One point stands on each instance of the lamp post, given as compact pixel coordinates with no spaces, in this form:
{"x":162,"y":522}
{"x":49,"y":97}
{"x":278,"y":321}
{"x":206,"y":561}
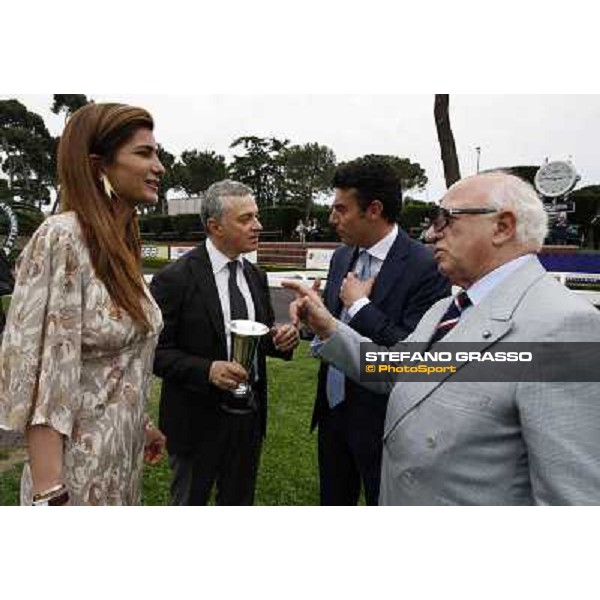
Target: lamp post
{"x":478,"y":150}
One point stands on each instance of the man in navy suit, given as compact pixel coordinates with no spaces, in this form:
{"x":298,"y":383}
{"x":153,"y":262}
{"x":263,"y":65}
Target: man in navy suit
{"x":381,"y":283}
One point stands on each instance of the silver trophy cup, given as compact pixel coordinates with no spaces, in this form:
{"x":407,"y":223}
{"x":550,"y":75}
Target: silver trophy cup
{"x":245,"y":336}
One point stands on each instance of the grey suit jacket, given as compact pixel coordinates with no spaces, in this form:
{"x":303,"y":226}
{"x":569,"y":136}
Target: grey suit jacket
{"x":491,"y":443}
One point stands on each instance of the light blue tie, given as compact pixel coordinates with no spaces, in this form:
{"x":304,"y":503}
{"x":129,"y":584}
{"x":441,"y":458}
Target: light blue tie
{"x":365,"y":267}
{"x":335,"y":378}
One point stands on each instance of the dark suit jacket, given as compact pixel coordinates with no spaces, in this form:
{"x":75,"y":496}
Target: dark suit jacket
{"x":406,"y":287}
{"x":193,"y":337}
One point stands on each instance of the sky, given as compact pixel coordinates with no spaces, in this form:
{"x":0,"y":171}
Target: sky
{"x":514,"y":129}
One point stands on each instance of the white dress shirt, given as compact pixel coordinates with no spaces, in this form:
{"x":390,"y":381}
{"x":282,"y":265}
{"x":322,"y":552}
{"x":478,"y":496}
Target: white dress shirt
{"x":481,"y":288}
{"x":378,"y":253}
{"x":219,"y":263}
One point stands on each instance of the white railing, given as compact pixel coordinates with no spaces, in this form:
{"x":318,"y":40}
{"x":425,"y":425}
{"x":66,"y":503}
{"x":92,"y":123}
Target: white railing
{"x":309,"y":276}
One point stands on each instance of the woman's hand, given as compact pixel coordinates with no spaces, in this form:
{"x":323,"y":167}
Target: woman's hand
{"x":45,"y":450}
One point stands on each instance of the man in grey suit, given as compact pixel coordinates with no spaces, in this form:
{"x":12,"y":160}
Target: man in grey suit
{"x":499,"y":443}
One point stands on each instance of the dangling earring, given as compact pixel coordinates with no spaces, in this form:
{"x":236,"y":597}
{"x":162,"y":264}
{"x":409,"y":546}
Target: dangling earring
{"x":108,"y":188}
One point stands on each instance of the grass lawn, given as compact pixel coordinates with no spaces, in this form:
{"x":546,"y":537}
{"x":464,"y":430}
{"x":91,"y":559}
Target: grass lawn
{"x":288,"y":469}
{"x":9,"y":486}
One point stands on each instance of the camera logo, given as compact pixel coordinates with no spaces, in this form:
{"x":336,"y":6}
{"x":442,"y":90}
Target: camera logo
{"x":370,"y":369}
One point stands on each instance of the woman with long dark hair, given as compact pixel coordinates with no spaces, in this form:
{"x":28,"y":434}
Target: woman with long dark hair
{"x":76,"y":361}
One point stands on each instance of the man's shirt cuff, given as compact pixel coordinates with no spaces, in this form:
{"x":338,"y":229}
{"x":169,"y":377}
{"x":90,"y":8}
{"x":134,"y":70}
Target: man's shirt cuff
{"x":357,"y":305}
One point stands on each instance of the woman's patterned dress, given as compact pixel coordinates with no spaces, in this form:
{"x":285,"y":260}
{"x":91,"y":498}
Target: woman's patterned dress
{"x":75,"y":362}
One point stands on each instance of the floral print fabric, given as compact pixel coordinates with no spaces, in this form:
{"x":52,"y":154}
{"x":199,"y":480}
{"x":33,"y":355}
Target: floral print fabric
{"x":74,"y":361}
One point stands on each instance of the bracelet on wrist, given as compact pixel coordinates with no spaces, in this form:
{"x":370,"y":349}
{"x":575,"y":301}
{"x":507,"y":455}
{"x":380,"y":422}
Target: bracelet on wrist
{"x":55,"y":496}
{"x":60,"y":500}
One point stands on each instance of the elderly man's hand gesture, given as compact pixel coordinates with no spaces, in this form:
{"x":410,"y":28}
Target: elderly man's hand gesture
{"x":309,"y":308}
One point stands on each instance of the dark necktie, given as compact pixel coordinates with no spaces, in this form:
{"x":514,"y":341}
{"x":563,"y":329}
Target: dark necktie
{"x":451,"y":317}
{"x":237,"y":304}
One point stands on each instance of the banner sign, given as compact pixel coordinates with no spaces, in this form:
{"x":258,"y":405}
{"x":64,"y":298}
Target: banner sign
{"x":155,"y":252}
{"x":318,"y":258}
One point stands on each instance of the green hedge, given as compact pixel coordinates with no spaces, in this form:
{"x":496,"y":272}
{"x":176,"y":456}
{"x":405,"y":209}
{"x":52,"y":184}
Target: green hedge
{"x":273,"y":218}
{"x":187,"y":222}
{"x":182,"y":225}
{"x":281,"y":218}
{"x":326,"y":232}
{"x":285,"y":219}
{"x":413,"y":214}
{"x":155,"y":223}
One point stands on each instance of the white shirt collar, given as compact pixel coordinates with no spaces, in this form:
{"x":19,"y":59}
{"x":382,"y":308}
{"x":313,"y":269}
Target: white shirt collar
{"x":382,"y":247}
{"x":481,"y":288}
{"x":218,"y":260}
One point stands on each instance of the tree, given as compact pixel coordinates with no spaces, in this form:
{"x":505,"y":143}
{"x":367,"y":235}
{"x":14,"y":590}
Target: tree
{"x":196,"y":171}
{"x":261,"y":168}
{"x":167,"y":181}
{"x":412,"y":175}
{"x":526,"y":172}
{"x":68,"y":103}
{"x":587,"y":206}
{"x":446,"y":139}
{"x":414,"y":214}
{"x":308,"y":170}
{"x":5,"y":193}
{"x":27,"y":153}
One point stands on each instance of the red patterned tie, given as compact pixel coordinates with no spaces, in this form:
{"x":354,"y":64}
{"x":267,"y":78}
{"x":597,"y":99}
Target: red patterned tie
{"x":451,"y":317}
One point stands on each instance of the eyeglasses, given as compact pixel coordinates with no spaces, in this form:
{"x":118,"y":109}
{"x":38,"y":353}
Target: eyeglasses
{"x":439,"y":217}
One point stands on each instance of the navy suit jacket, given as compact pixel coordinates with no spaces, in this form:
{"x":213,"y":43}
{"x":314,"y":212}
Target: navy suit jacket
{"x":408,"y":284}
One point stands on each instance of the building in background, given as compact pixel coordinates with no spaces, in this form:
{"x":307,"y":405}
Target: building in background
{"x":185,"y":206}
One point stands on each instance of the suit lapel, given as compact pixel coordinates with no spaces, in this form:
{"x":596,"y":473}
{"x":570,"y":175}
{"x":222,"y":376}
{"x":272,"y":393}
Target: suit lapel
{"x":207,"y":287}
{"x":472,"y":330}
{"x":256,"y":291}
{"x":482,"y":326}
{"x":393,"y":268}
{"x":343,"y":264}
